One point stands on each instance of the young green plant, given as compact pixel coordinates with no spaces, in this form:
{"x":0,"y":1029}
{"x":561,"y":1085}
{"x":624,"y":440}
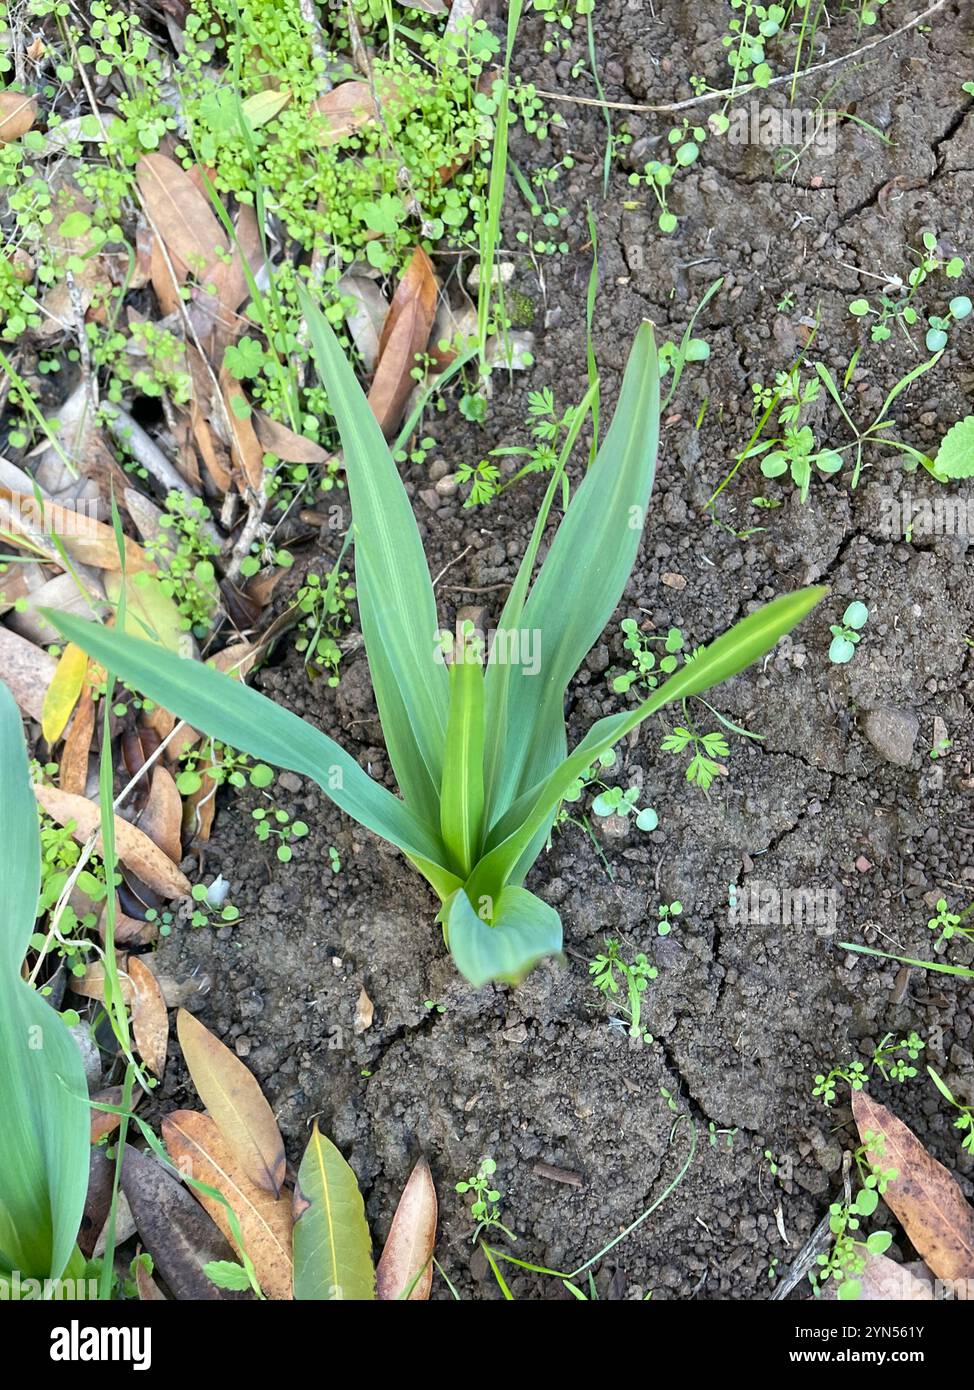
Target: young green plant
{"x":479,"y":750}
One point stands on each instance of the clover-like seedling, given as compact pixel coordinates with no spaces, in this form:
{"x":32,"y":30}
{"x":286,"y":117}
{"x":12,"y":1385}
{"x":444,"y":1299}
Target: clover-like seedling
{"x":484,"y":1208}
{"x":666,"y":912}
{"x":277,"y":824}
{"x":846,"y":634}
{"x":647,"y":665}
{"x":948,"y":924}
{"x":959,"y":308}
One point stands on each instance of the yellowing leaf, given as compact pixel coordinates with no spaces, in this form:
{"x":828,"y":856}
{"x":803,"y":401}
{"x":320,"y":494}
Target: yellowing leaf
{"x":149,"y":611}
{"x":63,"y":692}
{"x":234,"y":1099}
{"x":264,"y":106}
{"x":332,"y":1245}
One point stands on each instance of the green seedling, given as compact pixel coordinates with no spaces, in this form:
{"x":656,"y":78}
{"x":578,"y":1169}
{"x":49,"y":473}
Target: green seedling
{"x":949,"y":924}
{"x":846,"y":1260}
{"x":220,"y":766}
{"x":277,"y":825}
{"x":324,"y":610}
{"x":715,"y":1135}
{"x":891,"y":1057}
{"x":799,"y":455}
{"x":665,"y":914}
{"x":610,"y":801}
{"x":612,"y":973}
{"x":704,"y":750}
{"x":485,"y":1209}
{"x":479,"y":753}
{"x":210,"y":908}
{"x":647,"y":664}
{"x":894,"y":305}
{"x":846,"y":634}
{"x":965,"y":1113}
{"x":44,"y":1138}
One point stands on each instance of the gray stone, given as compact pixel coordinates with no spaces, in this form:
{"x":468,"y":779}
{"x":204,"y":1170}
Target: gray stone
{"x":892,"y":732}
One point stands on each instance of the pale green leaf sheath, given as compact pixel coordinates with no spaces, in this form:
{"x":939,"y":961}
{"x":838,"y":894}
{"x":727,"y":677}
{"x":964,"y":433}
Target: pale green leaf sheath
{"x":480,"y":756}
{"x":462,"y":794}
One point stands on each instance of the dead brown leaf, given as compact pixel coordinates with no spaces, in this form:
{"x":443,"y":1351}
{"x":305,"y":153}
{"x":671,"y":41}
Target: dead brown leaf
{"x":409,"y":1249}
{"x":73,"y":765}
{"x":342,"y":111}
{"x":405,"y":333}
{"x":150,"y":1022}
{"x":27,"y":670}
{"x":17,"y":114}
{"x":234,"y":1099}
{"x":245,"y":447}
{"x":924,"y":1197}
{"x":277,"y":439}
{"x":162,"y":817}
{"x":86,"y":540}
{"x":364,"y":1012}
{"x":883,"y":1280}
{"x":198,"y":1148}
{"x":136,"y":851}
{"x":181,"y":212}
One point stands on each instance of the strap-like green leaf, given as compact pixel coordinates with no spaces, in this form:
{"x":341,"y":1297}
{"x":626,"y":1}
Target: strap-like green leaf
{"x":332,"y":1245}
{"x":523,"y":931}
{"x":395,"y":595}
{"x":462,"y":795}
{"x":230,"y":711}
{"x":43,"y":1094}
{"x":746,"y":642}
{"x":580,"y":583}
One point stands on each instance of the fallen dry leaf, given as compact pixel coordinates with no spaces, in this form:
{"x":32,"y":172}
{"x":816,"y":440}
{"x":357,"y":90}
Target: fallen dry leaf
{"x":412,"y":1236}
{"x":27,"y":670}
{"x":234,"y":1099}
{"x":73,"y":764}
{"x":134,"y":848}
{"x":17,"y":114}
{"x":924,"y":1197}
{"x":181,"y":212}
{"x":245,"y":447}
{"x":175,"y":1229}
{"x":198,"y":1148}
{"x":342,"y":111}
{"x":366,"y":319}
{"x":883,"y":1280}
{"x":405,"y":333}
{"x":292,"y":448}
{"x":162,"y":816}
{"x":87,"y":540}
{"x":150,"y":1022}
{"x":364,"y":1012}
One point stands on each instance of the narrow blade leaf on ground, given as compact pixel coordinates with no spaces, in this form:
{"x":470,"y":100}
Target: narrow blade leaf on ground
{"x":332,"y":1245}
{"x":234,"y":1099}
{"x":405,"y":1269}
